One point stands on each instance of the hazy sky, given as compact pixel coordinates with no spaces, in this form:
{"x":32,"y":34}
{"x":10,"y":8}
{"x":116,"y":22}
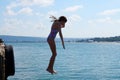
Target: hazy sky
{"x":86,"y":18}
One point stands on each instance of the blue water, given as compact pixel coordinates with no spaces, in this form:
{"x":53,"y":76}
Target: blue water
{"x":79,"y":61}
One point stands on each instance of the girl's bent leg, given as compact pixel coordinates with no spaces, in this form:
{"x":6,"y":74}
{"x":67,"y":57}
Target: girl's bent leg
{"x":52,"y":59}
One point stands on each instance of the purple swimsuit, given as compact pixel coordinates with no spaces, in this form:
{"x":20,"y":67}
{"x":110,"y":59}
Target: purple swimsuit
{"x":53,"y":34}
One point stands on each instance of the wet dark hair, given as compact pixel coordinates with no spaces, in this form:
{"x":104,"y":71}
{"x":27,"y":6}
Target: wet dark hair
{"x":62,"y":18}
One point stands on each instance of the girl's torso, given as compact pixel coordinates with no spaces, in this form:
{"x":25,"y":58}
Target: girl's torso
{"x":54,"y":30}
{"x":53,"y":34}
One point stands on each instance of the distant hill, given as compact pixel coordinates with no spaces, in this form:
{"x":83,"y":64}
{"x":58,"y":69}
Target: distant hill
{"x":107,"y":39}
{"x":8,"y":38}
{"x":101,"y":39}
{"x":98,"y":39}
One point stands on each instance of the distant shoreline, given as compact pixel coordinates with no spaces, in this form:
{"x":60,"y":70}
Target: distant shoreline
{"x":23,"y":39}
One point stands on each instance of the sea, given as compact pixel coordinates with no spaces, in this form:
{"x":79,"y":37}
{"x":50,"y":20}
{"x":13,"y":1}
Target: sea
{"x":78,"y":61}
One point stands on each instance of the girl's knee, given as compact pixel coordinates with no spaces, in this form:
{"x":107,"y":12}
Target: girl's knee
{"x":55,"y":54}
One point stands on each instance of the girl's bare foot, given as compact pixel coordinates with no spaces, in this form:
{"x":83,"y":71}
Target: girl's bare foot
{"x":51,"y":71}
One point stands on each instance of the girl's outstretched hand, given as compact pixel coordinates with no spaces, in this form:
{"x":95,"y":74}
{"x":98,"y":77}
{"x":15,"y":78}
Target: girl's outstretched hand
{"x":63,"y":47}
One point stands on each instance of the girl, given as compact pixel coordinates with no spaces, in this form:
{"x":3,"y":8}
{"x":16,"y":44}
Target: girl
{"x":56,"y":27}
